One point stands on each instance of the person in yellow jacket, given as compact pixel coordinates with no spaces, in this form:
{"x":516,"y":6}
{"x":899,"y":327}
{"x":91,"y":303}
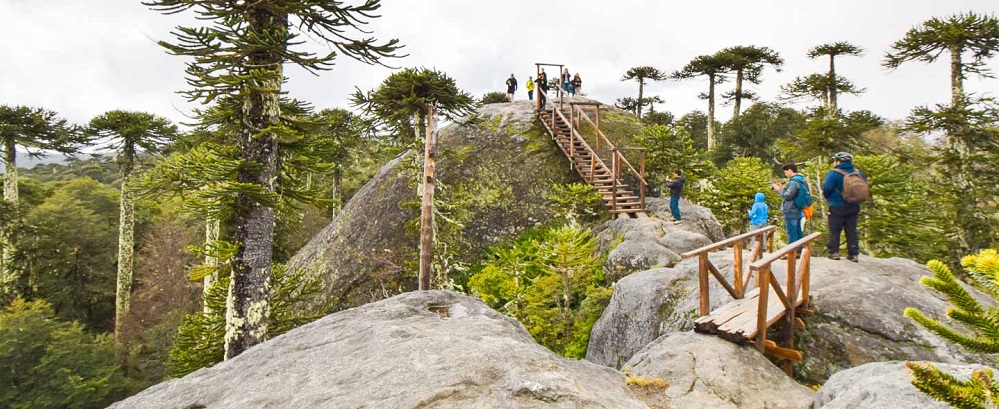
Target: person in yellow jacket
{"x":530,"y":88}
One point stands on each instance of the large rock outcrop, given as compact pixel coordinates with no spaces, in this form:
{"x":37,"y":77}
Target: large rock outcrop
{"x":858,"y":314}
{"x":881,"y":385}
{"x":706,"y":372}
{"x":858,"y":317}
{"x":647,"y":305}
{"x":650,"y":242}
{"x":416,"y":350}
{"x":498,"y":171}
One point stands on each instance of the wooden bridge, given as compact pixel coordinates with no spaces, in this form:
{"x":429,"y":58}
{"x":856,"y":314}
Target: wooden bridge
{"x":750,"y":313}
{"x":597,"y":160}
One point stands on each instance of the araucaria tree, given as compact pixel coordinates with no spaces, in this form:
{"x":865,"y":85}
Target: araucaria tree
{"x":241,"y":54}
{"x":818,"y":87}
{"x":981,"y":390}
{"x":36,"y":130}
{"x":833,"y":82}
{"x":127,"y":133}
{"x":969,"y":159}
{"x":641,"y":75}
{"x":411,"y":100}
{"x":747,"y":63}
{"x":714,"y":67}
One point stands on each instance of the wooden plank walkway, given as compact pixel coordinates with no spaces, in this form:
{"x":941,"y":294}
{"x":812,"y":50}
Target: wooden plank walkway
{"x":737,"y":320}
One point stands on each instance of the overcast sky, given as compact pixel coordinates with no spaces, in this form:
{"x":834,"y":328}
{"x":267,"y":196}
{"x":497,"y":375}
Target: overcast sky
{"x":82,"y":58}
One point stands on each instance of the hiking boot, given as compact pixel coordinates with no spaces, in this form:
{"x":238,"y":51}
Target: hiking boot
{"x":676,"y":222}
{"x":854,"y":259}
{"x":834,"y":256}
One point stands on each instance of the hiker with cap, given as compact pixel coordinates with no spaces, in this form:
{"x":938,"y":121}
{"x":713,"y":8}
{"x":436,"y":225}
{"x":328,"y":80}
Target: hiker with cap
{"x":845,"y":188}
{"x":795,"y":197}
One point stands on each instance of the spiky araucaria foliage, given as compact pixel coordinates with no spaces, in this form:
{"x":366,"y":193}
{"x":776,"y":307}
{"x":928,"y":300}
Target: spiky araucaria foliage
{"x":981,"y":391}
{"x":641,"y":75}
{"x":240,"y":52}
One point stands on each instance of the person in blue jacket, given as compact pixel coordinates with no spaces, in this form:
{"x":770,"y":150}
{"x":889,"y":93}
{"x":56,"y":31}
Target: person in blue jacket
{"x":842,"y":215}
{"x":759,"y":213}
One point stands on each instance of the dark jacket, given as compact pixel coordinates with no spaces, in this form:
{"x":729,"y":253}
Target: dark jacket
{"x":832,"y":187}
{"x":676,"y":186}
{"x":511,"y":84}
{"x":788,"y":193}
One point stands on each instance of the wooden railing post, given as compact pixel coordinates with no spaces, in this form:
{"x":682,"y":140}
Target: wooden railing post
{"x":761,"y":312}
{"x":737,"y":248}
{"x":705,"y":301}
{"x":593,"y":166}
{"x":613,"y":182}
{"x":643,"y":185}
{"x":572,"y":137}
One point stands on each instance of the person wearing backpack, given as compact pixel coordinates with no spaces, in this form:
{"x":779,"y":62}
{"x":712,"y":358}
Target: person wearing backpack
{"x":795,"y":198}
{"x":845,"y":188}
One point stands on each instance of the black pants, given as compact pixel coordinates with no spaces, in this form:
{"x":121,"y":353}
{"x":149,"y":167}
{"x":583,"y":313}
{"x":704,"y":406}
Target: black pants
{"x":844,"y":218}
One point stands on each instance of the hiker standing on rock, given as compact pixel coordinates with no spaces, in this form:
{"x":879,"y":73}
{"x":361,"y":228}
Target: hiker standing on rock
{"x":844,"y":188}
{"x":795,"y":197}
{"x":675,"y":186}
{"x":566,"y":81}
{"x":530,"y":89}
{"x":577,"y":85}
{"x":511,"y":87}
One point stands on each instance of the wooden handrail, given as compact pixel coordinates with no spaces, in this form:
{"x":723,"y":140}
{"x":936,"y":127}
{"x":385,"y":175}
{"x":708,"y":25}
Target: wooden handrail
{"x":728,"y":242}
{"x":575,"y":134}
{"x":610,"y":145}
{"x":759,"y":264}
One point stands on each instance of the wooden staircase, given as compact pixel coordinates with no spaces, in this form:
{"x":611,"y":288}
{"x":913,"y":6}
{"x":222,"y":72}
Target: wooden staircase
{"x":605,"y":172}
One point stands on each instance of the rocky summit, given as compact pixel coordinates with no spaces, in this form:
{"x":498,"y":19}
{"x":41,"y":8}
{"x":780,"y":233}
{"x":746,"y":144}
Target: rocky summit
{"x":416,"y":350}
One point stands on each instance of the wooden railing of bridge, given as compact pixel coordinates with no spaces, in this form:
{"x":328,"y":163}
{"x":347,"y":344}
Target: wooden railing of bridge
{"x":748,"y":316}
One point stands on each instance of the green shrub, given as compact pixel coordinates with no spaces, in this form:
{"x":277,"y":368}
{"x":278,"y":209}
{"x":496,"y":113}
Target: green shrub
{"x":49,"y":363}
{"x":493,"y":98}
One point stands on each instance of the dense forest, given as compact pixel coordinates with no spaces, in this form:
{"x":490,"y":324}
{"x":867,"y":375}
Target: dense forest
{"x":163,"y":253}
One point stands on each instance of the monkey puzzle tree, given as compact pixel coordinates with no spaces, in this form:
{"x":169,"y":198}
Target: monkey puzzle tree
{"x":412,"y":99}
{"x":342,"y":128}
{"x":36,"y":130}
{"x":127,"y":132}
{"x":833,"y":82}
{"x":641,"y":75}
{"x":969,"y":156}
{"x":747,"y":63}
{"x":714,"y":67}
{"x":241,"y":53}
{"x":818,"y":87}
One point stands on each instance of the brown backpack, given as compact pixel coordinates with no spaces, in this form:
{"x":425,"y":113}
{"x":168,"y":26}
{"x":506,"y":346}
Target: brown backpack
{"x":855,"y":189}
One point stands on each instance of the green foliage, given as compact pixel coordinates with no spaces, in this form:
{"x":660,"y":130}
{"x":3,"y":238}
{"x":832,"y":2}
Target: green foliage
{"x":49,"y":363}
{"x":199,"y":343}
{"x":899,"y":220}
{"x":408,"y":94}
{"x":664,"y":118}
{"x":970,"y":32}
{"x":980,"y":391}
{"x":669,"y":148}
{"x":756,"y":132}
{"x":551,"y":281}
{"x":732,"y":190}
{"x":967,"y":166}
{"x":822,"y":135}
{"x":68,"y":254}
{"x":493,"y":98}
{"x":696,"y":124}
{"x":36,"y":130}
{"x":576,"y":203}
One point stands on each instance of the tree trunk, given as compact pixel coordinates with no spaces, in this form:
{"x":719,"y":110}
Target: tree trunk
{"x":641,"y":88}
{"x":126,"y":241}
{"x":337,"y":188}
{"x":248,"y":303}
{"x":8,"y":275}
{"x":212,"y":234}
{"x":968,"y":206}
{"x":738,"y":95}
{"x":831,"y":110}
{"x":427,"y":207}
{"x":711,"y":111}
